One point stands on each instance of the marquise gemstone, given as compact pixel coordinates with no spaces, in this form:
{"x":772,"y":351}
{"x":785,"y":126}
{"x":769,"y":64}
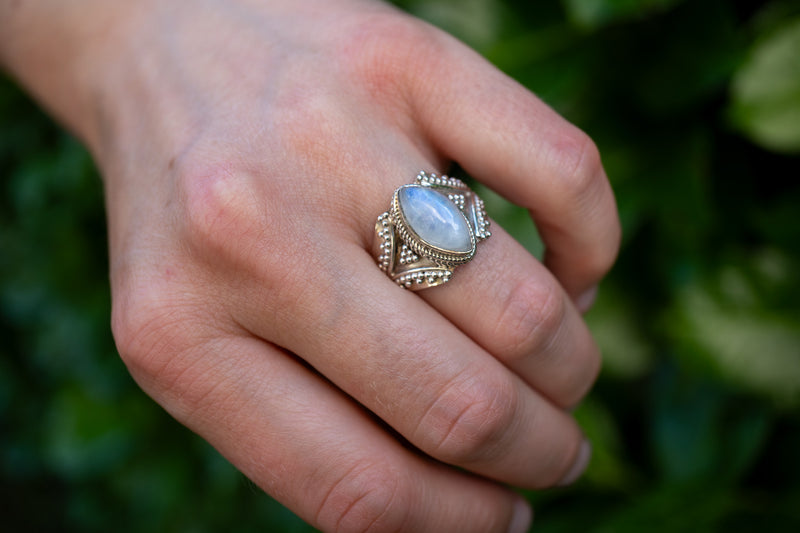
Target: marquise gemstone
{"x":435,"y":219}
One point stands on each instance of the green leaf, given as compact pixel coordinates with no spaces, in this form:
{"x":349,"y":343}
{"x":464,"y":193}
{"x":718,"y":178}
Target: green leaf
{"x":725,"y":324}
{"x":703,"y":435}
{"x":607,"y":467}
{"x":84,"y":436}
{"x":670,"y":508}
{"x":617,"y":330}
{"x":765,"y":94}
{"x":596,"y":13}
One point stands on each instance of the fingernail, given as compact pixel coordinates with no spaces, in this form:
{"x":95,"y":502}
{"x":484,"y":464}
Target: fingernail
{"x":580,"y":464}
{"x":585,"y":301}
{"x":522,"y":517}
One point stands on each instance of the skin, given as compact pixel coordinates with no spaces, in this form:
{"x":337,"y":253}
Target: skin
{"x":247,"y":148}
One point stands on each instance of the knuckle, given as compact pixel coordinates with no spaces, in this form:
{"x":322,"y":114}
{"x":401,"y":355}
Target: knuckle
{"x":578,"y":383}
{"x":580,"y":165}
{"x":372,"y":497}
{"x":530,"y":319}
{"x":568,"y":384}
{"x":583,"y":189}
{"x":599,"y":259}
{"x":316,"y":129}
{"x":576,"y":161}
{"x":144,"y":325}
{"x":164,"y":355}
{"x":564,"y":459}
{"x":381,"y":49}
{"x":221,"y":214}
{"x":556,"y":460}
{"x":230,"y":220}
{"x":468,"y":422}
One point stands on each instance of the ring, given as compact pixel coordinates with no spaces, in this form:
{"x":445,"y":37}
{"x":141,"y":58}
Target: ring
{"x":432,"y":226}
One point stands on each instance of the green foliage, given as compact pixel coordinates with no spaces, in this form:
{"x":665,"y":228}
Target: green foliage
{"x":597,"y":13}
{"x":766,"y":89}
{"x":694,"y":421}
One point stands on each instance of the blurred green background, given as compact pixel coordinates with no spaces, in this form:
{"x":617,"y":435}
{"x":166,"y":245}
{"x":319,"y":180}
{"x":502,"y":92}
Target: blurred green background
{"x":694,"y":420}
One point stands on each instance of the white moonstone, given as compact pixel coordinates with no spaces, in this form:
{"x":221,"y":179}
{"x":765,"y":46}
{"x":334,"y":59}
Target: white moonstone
{"x":435,"y":219}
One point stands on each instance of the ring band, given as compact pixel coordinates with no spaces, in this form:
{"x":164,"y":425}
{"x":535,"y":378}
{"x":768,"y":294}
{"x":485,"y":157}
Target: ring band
{"x":432,"y":226}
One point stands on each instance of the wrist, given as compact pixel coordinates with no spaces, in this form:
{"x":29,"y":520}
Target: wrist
{"x":60,"y":52}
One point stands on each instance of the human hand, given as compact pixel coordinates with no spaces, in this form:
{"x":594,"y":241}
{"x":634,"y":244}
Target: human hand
{"x":247,"y":149}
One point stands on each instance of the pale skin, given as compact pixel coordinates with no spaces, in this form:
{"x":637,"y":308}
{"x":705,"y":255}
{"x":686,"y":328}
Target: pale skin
{"x":247,"y":148}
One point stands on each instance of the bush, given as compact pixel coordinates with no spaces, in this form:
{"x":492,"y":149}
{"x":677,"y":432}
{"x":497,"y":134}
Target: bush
{"x":696,"y":109}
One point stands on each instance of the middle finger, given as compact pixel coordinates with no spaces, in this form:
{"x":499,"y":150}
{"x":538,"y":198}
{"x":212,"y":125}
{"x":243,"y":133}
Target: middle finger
{"x":417,"y":371}
{"x":512,"y":306}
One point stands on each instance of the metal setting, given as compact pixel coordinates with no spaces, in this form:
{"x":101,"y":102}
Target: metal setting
{"x":410,"y":260}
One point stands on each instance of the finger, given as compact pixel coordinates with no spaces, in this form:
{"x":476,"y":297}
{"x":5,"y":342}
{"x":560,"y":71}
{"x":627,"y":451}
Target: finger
{"x":414,"y":369}
{"x":513,"y":307}
{"x":511,"y":141}
{"x":313,"y":449}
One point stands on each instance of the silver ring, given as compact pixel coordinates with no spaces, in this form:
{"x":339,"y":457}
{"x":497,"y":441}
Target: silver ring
{"x":432,"y":226}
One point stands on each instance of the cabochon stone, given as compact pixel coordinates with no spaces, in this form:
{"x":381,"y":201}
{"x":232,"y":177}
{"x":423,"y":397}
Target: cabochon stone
{"x":434,"y":218}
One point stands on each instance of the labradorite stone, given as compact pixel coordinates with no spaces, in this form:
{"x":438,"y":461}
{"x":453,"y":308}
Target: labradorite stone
{"x":435,"y":219}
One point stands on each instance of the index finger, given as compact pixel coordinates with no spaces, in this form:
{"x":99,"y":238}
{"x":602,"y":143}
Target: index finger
{"x":511,"y":141}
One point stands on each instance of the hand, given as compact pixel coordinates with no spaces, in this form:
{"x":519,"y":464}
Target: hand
{"x":247,"y":149}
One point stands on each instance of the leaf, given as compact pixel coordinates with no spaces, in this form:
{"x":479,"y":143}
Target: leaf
{"x":748,"y":344}
{"x":670,"y":508}
{"x":702,"y":434}
{"x":765,"y":93}
{"x":616,"y":328}
{"x":607,"y":467}
{"x":596,"y":13}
